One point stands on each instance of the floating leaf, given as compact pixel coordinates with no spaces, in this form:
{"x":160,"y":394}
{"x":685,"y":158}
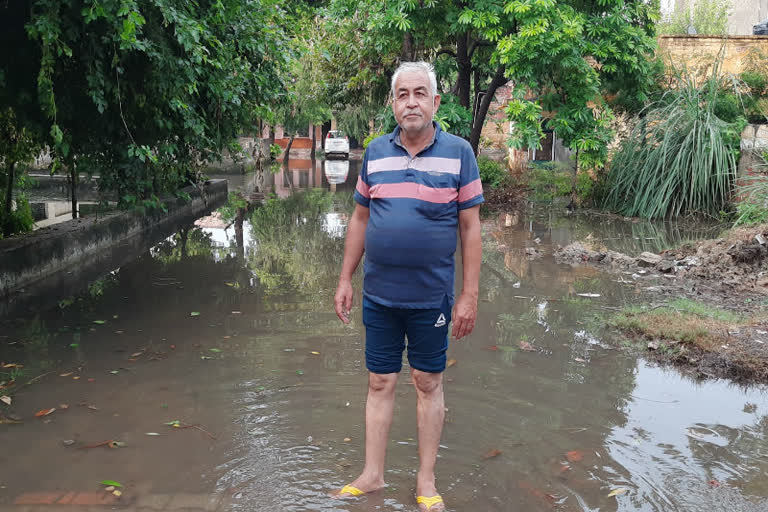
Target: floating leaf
{"x":579,"y":360}
{"x":5,"y":399}
{"x":492,"y":453}
{"x":152,"y":434}
{"x":74,"y":345}
{"x":194,"y":313}
{"x":44,"y":412}
{"x":111,"y":483}
{"x":492,"y":348}
{"x":299,"y":372}
{"x":315,"y":353}
{"x":450,"y":363}
{"x":174,"y":423}
{"x":65,"y":374}
{"x":524,"y":345}
{"x":136,"y":354}
{"x":114,"y":372}
{"x":574,"y":455}
{"x":63,"y":407}
{"x":617,"y":492}
{"x":205,"y":357}
{"x":100,"y":322}
{"x":12,"y":365}
{"x":347,"y":439}
{"x":215,"y":350}
{"x":590,"y":295}
{"x":116,"y":444}
{"x":117,"y":493}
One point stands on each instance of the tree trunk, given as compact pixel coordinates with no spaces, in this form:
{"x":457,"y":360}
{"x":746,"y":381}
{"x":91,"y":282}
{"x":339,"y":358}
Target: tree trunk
{"x":73,"y":179}
{"x":7,"y":228}
{"x":477,"y":123}
{"x":465,"y":70}
{"x":407,"y":54}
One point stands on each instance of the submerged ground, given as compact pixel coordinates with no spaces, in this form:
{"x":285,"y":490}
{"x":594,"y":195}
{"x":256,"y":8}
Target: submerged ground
{"x":215,"y":365}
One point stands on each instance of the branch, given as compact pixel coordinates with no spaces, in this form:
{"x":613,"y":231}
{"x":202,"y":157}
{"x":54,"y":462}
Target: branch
{"x":475,"y":45}
{"x":447,"y":51}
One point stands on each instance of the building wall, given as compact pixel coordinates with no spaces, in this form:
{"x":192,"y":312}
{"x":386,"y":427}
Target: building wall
{"x":699,"y":52}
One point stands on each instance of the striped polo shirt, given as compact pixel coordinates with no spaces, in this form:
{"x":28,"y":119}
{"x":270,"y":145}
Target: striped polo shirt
{"x":414,"y":206}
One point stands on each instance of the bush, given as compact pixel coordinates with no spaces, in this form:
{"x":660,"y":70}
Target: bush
{"x":21,"y":219}
{"x":275,"y":150}
{"x":370,"y":137}
{"x":492,"y":173}
{"x":681,"y":156}
{"x":549,"y":180}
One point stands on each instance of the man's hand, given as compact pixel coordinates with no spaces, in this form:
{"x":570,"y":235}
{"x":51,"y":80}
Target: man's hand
{"x":342,"y":301}
{"x":464,"y":316}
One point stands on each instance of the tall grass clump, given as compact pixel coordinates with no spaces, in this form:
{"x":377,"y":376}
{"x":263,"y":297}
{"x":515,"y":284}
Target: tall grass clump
{"x":680,"y":157}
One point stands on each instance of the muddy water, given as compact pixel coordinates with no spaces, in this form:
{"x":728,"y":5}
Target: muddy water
{"x":232,"y":334}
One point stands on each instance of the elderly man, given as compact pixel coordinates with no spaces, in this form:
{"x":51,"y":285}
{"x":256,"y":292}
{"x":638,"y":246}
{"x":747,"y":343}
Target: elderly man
{"x":416,"y":186}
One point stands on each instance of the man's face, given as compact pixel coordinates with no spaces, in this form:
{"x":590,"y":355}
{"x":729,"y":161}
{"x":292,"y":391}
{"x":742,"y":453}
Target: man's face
{"x":413,"y":105}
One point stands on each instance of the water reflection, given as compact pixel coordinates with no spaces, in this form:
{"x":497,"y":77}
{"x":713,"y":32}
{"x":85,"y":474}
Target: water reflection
{"x":230,"y":326}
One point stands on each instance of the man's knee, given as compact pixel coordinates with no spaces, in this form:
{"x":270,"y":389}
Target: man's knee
{"x":382,"y":382}
{"x":426,"y":382}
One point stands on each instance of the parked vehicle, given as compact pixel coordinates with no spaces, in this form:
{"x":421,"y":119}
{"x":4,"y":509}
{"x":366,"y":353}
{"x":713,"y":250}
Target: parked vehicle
{"x":337,"y":143}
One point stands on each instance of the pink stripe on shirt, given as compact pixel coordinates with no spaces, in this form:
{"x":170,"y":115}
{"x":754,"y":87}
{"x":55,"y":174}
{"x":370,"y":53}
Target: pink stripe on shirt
{"x":414,"y":191}
{"x":362,"y":188}
{"x":470,"y":190}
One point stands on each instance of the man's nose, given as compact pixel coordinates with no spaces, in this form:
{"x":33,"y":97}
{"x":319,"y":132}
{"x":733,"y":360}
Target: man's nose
{"x":412,"y":100}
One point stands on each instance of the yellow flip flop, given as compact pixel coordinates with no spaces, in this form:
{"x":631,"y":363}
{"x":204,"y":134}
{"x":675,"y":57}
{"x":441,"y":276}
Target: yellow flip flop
{"x":430,"y":501}
{"x":348,"y":489}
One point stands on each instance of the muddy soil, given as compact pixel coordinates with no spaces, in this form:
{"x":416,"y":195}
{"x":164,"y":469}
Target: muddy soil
{"x":730,"y":273}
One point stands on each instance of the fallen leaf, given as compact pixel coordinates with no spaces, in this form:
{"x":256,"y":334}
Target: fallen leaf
{"x":64,"y":407}
{"x":74,"y":345}
{"x":114,"y":372}
{"x":492,"y":453}
{"x":450,"y":363}
{"x":315,"y":353}
{"x":347,"y":439}
{"x":91,"y":379}
{"x":65,"y":374}
{"x":299,"y":372}
{"x":68,"y":442}
{"x":617,"y":492}
{"x":136,"y":354}
{"x":574,"y":455}
{"x":12,"y":365}
{"x":524,"y":345}
{"x":714,"y":483}
{"x":215,"y":350}
{"x":5,"y":399}
{"x":76,"y":377}
{"x":117,"y":493}
{"x":132,"y":359}
{"x":194,"y":313}
{"x":116,"y":444}
{"x":590,"y":295}
{"x":579,"y":360}
{"x":110,"y":488}
{"x":111,"y":483}
{"x":6,"y":385}
{"x":493,"y":348}
{"x":100,"y":322}
{"x":93,"y":408}
{"x":44,"y":412}
{"x":173,"y":347}
{"x":152,"y":434}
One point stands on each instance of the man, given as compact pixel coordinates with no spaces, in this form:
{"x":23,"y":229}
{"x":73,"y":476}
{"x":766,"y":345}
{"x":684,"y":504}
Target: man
{"x":415,"y":187}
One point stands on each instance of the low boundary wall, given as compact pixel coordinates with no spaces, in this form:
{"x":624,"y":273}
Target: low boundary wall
{"x":50,"y":257}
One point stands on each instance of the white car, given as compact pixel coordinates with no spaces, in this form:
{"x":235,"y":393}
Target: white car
{"x":337,"y":143}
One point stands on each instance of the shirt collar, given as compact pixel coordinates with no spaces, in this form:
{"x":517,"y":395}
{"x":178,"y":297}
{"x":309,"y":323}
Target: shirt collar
{"x":395,"y":136}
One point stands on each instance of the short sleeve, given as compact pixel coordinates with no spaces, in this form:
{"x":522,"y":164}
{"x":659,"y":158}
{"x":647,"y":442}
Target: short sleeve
{"x":362,"y":196}
{"x":470,"y":187}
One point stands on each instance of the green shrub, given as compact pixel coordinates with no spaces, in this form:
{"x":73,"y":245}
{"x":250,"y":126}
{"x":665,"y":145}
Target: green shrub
{"x":275,"y":150}
{"x":728,"y":107}
{"x":492,"y":173}
{"x":370,"y":137}
{"x":21,"y":219}
{"x":680,"y":157}
{"x":549,"y":180}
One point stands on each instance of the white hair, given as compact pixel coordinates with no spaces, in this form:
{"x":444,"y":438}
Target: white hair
{"x":423,"y":67}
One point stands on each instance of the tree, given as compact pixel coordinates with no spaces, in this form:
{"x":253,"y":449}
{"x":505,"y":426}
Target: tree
{"x":707,"y":17}
{"x":142,"y":92}
{"x":559,"y":54}
{"x":18,"y":146}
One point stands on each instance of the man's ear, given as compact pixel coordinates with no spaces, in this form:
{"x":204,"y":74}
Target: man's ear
{"x":437,"y":102}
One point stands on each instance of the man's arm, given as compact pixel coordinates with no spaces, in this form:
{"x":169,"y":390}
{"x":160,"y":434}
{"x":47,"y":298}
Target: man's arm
{"x":354,"y":247}
{"x":465,"y":310}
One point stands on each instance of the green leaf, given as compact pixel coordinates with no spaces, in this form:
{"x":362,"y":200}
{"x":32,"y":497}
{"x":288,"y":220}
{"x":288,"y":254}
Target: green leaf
{"x":100,"y":322}
{"x":194,"y":313}
{"x":216,"y":350}
{"x":111,"y":483}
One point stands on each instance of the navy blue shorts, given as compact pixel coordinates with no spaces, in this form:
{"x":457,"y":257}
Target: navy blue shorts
{"x":387,"y":328}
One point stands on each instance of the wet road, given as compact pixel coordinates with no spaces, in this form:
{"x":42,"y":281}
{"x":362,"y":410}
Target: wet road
{"x":231,"y":333}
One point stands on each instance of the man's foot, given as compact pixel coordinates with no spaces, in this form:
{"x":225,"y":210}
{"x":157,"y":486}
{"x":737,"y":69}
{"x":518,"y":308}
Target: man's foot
{"x":427,"y":497}
{"x":359,"y":487}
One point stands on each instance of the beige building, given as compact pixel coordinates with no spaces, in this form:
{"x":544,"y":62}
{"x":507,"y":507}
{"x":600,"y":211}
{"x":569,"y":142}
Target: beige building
{"x":744,"y":15}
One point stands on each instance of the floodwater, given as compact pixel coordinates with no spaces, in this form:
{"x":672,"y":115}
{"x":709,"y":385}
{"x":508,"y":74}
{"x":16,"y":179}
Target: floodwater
{"x":231,"y":333}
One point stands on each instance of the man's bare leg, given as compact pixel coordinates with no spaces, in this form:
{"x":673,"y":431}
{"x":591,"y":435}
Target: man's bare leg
{"x":430,"y":413}
{"x":378,"y":418}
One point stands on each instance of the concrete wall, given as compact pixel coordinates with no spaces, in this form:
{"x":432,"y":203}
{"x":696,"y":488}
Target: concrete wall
{"x":33,"y":257}
{"x":698,"y":53}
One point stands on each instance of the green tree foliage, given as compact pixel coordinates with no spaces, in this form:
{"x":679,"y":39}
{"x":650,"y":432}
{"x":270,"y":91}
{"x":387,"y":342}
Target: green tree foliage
{"x":707,"y":17}
{"x":141,"y":91}
{"x":18,"y":146}
{"x":560,"y":55}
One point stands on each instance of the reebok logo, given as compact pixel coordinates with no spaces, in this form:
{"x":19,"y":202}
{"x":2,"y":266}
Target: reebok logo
{"x":440,"y":320}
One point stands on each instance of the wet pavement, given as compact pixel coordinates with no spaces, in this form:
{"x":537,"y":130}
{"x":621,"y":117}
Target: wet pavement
{"x":217,"y":368}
